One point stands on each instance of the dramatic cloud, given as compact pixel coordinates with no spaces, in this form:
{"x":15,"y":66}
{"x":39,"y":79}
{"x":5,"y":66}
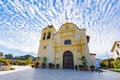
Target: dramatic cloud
{"x":21,"y":21}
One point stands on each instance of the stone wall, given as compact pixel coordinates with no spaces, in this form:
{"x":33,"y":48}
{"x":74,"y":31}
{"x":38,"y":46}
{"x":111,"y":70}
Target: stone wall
{"x":5,"y":68}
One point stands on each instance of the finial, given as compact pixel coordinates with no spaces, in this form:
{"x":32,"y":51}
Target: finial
{"x":67,"y":19}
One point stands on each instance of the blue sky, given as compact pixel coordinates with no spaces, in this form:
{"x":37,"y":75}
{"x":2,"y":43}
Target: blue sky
{"x":21,"y":22}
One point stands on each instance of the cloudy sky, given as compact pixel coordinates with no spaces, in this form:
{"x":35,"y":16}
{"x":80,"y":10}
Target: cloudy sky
{"x":21,"y":22}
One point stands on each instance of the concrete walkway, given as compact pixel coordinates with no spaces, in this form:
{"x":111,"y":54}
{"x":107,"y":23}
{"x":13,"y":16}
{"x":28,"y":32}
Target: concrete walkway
{"x":60,"y":74}
{"x":17,"y":68}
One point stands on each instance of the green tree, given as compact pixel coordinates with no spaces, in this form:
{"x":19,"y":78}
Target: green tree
{"x":24,"y":57}
{"x":38,"y":58}
{"x":110,"y":63}
{"x":34,"y":58}
{"x":1,"y":54}
{"x":29,"y":60}
{"x":8,"y":56}
{"x":117,"y":63}
{"x":103,"y":65}
{"x":27,"y":56}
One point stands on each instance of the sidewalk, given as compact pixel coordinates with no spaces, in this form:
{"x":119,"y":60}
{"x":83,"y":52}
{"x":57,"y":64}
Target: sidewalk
{"x":17,"y":68}
{"x":58,"y":74}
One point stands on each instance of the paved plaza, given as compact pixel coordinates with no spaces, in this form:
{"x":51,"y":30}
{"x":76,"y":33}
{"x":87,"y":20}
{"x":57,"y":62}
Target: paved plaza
{"x":59,"y":74}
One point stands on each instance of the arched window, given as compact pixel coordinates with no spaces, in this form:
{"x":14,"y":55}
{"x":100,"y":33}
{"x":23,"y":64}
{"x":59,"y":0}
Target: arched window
{"x":118,"y":45}
{"x":48,"y":35}
{"x":67,"y":42}
{"x":117,"y":52}
{"x":44,"y":36}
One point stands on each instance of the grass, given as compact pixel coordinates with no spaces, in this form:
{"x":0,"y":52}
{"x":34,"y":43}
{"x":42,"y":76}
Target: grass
{"x":116,"y":70}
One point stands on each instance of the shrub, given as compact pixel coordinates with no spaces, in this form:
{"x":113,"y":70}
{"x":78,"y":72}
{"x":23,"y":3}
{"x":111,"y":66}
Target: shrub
{"x":12,"y":68}
{"x":44,"y":59}
{"x":84,"y":61}
{"x":57,"y":65}
{"x":6,"y":62}
{"x":103,"y":65}
{"x":29,"y":60}
{"x":117,"y":63}
{"x":92,"y":66}
{"x":80,"y":66}
{"x":19,"y":62}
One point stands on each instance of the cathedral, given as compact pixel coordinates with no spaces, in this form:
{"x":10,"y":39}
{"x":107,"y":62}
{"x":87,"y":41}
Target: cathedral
{"x":65,"y":46}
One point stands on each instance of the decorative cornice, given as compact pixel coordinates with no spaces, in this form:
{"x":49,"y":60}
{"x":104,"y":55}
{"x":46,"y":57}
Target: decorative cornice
{"x":63,"y":46}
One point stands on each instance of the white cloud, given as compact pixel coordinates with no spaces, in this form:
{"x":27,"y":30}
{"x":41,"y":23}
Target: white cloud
{"x":21,"y":28}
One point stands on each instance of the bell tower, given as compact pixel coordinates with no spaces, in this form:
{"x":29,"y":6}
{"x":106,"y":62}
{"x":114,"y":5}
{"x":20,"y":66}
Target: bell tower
{"x":46,"y":41}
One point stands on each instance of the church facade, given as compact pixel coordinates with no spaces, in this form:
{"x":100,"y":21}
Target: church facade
{"x":65,"y":46}
{"x":116,"y":49}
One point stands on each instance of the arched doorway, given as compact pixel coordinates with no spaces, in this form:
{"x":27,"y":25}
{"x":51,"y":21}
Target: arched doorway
{"x":68,"y":60}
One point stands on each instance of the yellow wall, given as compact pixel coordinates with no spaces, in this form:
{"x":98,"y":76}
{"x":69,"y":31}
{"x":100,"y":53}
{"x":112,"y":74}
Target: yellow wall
{"x":55,"y":47}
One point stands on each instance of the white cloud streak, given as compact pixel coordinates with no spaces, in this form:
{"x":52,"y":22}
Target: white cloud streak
{"x":21,"y":22}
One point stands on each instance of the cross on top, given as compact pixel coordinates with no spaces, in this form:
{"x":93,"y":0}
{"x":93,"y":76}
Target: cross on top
{"x":66,"y":19}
